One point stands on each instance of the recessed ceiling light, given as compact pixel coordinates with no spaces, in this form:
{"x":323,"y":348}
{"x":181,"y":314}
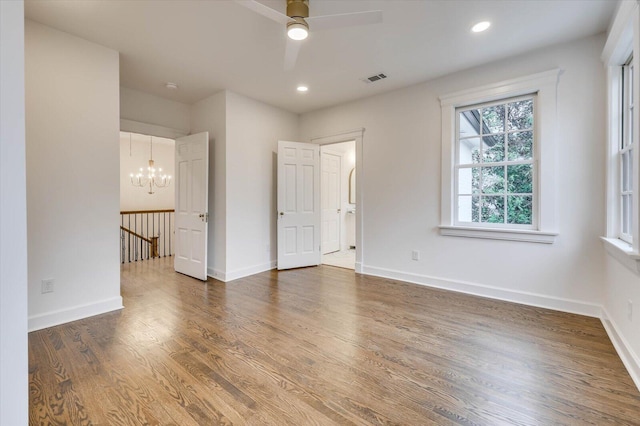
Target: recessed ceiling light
{"x":171,"y":86}
{"x":481,"y":26}
{"x":303,"y":88}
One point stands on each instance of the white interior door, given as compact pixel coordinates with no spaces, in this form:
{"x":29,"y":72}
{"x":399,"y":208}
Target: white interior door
{"x":331,"y":165}
{"x":191,"y":180}
{"x":298,"y":204}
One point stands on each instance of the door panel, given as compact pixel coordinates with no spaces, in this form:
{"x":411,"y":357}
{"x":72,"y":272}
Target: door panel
{"x":298,"y":204}
{"x":330,"y":188}
{"x":192,"y":166}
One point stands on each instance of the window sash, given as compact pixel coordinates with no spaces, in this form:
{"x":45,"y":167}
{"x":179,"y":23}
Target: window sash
{"x":625,"y":154}
{"x":481,"y":164}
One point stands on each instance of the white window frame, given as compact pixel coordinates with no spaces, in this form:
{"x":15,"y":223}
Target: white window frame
{"x":505,"y":162}
{"x":626,"y":146}
{"x":623,"y":42}
{"x":545,"y":86}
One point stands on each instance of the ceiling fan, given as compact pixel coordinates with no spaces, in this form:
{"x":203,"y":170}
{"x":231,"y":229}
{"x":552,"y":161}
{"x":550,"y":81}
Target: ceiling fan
{"x":298,"y":22}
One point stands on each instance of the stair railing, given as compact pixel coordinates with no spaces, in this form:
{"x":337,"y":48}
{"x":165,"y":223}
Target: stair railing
{"x":146,"y":234}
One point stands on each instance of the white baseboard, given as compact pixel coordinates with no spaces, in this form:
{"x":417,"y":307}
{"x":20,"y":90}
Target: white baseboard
{"x":358,"y":268}
{"x":525,"y":298}
{"x":629,"y":358}
{"x":50,"y":319}
{"x":241,"y":273}
{"x":216,"y":274}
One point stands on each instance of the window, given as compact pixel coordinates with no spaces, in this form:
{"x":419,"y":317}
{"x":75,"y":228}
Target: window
{"x":495,"y":165}
{"x":625,"y":153}
{"x":498,"y":159}
{"x":622,"y":239}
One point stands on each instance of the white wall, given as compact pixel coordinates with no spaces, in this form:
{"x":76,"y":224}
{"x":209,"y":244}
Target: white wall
{"x":621,"y":286}
{"x":14,"y":396}
{"x":146,"y":108}
{"x":401,"y":186}
{"x":72,"y":131}
{"x":253,"y":131}
{"x":134,"y":154}
{"x":209,"y":115}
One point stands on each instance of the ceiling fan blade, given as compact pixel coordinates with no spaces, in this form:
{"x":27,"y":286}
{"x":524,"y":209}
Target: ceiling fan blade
{"x":327,"y":22}
{"x":266,"y":11}
{"x":291,"y":54}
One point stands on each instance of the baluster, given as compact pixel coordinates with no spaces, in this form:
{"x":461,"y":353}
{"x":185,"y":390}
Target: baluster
{"x":170,"y":233}
{"x":164,"y":227}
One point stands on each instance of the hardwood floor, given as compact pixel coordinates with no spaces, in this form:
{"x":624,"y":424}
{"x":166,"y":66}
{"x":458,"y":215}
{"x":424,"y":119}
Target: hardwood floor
{"x":323,"y":346}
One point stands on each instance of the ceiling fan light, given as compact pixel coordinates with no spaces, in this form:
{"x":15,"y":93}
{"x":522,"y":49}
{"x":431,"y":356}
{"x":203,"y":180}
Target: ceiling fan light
{"x":298,"y":30}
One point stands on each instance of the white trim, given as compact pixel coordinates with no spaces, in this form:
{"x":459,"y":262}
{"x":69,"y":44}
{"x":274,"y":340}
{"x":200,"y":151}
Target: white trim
{"x":505,"y":89}
{"x":346,"y":136}
{"x":50,"y":319}
{"x":623,"y":253}
{"x":620,"y":39}
{"x":151,"y":129}
{"x":525,"y":235}
{"x":217,"y":274}
{"x":545,"y":85}
{"x":629,"y":358}
{"x":526,"y":298}
{"x":241,"y":273}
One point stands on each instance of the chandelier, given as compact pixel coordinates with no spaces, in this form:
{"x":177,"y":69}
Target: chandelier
{"x":152,"y":177}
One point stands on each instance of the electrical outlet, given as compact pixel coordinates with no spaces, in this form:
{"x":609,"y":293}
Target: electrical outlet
{"x":47,"y":285}
{"x":630,"y":310}
{"x":415,"y":255}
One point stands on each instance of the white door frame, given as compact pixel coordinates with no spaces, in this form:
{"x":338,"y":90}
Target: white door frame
{"x":348,"y":136}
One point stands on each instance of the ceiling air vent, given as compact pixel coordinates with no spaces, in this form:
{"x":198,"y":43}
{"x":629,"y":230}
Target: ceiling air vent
{"x":374,"y":78}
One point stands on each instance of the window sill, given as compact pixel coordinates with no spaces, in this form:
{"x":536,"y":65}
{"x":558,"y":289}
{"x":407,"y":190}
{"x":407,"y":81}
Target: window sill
{"x":525,"y":235}
{"x":623,"y":253}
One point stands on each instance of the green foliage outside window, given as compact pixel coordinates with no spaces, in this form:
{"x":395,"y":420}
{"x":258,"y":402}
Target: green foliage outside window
{"x":503,"y":192}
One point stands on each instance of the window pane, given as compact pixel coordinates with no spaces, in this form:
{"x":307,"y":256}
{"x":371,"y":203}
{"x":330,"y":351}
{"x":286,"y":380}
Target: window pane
{"x":493,"y":209}
{"x":475,"y":209}
{"x":625,"y":215}
{"x":520,"y":178}
{"x":493,"y":180}
{"x":520,"y":209}
{"x":469,"y":123}
{"x":630,"y":132}
{"x":464,"y":208}
{"x":493,"y":148}
{"x":630,"y":214}
{"x":469,"y":150}
{"x":520,"y":115}
{"x":493,"y":119}
{"x":468,"y":180}
{"x":625,"y":171}
{"x":630,"y":174}
{"x":520,"y":146}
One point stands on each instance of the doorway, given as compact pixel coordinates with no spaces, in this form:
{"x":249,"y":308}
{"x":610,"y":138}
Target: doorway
{"x":146,"y":207}
{"x":338,"y":201}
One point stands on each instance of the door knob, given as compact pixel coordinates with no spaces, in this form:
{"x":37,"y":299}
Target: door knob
{"x":339,"y":210}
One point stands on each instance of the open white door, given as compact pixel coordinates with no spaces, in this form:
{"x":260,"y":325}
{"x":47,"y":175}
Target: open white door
{"x":191,"y":180}
{"x":298,"y":204}
{"x":331,"y":165}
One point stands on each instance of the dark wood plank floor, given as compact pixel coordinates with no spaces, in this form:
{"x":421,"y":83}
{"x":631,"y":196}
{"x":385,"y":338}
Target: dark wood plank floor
{"x":323,"y":346}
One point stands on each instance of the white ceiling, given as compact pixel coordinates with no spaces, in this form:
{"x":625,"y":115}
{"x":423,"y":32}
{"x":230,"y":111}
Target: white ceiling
{"x":208,"y":46}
